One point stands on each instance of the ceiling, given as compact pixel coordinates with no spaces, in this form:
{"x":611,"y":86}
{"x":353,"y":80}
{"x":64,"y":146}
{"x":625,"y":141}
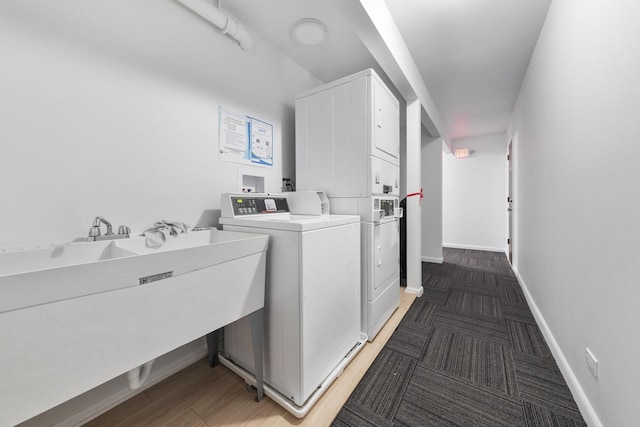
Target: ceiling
{"x":472,"y":54}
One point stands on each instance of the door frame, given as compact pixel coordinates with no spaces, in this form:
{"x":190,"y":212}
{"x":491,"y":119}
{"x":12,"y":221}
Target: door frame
{"x":510,"y":200}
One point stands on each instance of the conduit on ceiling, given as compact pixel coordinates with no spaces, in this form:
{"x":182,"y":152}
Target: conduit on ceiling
{"x":221,"y":20}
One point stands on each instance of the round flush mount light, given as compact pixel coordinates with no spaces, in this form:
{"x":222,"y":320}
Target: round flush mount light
{"x":309,"y":32}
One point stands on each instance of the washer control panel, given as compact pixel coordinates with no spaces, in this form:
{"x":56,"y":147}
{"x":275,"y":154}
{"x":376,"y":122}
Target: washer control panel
{"x":254,"y":205}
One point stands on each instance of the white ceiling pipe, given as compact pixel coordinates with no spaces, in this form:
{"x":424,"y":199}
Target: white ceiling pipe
{"x":221,"y":20}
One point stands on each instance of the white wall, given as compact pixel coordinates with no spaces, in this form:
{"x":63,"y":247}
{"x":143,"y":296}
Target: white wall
{"x":111,"y":108}
{"x":431,"y":209}
{"x":474,"y":195}
{"x":578,"y":208}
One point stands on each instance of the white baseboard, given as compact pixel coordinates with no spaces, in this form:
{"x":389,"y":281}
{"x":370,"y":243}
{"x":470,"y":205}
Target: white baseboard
{"x":439,"y":260}
{"x":473,"y":247}
{"x":586,"y":409}
{"x":418,"y":292}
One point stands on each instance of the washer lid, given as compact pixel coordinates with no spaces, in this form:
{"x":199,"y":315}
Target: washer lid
{"x":290,"y":222}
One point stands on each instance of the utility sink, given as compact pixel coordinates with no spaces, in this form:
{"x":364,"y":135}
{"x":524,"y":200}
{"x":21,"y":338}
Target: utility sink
{"x":76,"y":316}
{"x":40,"y":276}
{"x":181,"y":241}
{"x":26,"y":261}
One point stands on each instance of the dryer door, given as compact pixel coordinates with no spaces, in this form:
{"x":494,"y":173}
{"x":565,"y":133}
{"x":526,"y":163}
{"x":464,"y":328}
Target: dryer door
{"x":386,"y":124}
{"x":386,"y":255}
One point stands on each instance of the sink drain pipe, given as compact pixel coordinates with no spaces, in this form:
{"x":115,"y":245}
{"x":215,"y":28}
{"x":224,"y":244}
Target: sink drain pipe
{"x":137,"y":376}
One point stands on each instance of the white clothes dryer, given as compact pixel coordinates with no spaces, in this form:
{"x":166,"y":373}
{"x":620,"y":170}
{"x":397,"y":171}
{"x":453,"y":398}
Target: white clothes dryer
{"x":380,"y":221}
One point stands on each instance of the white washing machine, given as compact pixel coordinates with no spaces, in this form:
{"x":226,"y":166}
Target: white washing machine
{"x":312,"y":298}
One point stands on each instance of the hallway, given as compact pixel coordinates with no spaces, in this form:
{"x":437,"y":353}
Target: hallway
{"x":468,"y":352}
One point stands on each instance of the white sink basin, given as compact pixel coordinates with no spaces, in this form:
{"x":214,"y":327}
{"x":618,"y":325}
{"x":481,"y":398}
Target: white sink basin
{"x":40,"y":276}
{"x":182,"y":241}
{"x":192,"y":251}
{"x":59,"y":256}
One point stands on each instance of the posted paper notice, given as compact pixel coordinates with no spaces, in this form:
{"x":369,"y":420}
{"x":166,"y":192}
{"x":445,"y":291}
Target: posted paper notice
{"x":244,"y":139}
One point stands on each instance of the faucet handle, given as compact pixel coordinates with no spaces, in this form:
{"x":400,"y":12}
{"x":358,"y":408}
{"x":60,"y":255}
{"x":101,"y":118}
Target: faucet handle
{"x":123,"y":229}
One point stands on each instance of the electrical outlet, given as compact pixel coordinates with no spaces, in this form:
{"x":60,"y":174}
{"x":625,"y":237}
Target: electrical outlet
{"x":592,"y":362}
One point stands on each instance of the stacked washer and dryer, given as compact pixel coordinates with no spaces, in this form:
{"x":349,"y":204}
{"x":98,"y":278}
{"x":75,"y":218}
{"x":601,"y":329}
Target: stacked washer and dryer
{"x":333,"y":272}
{"x":347,"y":145}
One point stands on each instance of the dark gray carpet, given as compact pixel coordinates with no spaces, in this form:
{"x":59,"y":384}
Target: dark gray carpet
{"x":467,"y":353}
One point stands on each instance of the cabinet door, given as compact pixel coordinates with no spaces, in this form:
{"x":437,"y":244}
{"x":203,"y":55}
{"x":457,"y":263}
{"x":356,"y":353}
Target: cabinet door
{"x":386,"y":121}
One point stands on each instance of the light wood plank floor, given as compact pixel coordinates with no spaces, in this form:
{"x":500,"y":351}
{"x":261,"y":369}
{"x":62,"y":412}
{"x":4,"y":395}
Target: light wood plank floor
{"x":200,"y":396}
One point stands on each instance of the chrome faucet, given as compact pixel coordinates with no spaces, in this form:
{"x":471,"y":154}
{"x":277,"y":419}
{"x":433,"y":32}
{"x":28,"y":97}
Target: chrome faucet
{"x":94,"y":231}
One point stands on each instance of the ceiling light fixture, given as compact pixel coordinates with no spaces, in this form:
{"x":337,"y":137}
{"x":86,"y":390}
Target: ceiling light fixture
{"x":309,"y":32}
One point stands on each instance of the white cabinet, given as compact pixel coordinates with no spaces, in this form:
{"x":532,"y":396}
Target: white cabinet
{"x":347,"y":138}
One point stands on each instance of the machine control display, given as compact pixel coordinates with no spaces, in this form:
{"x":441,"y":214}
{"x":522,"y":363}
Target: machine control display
{"x":258,"y":205}
{"x":244,"y":206}
{"x":387,"y":206}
